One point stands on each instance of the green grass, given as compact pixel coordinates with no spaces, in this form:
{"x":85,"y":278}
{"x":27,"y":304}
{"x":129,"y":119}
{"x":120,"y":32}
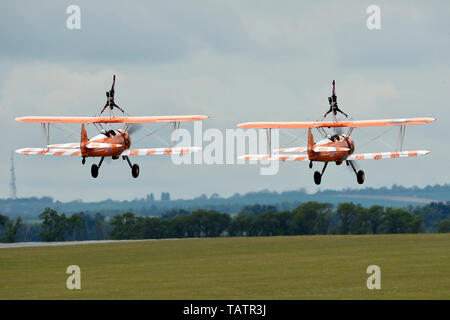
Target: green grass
{"x":296,"y":267}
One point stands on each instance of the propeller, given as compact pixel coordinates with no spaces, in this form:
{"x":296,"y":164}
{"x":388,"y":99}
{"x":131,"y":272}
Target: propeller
{"x":338,"y":130}
{"x":133,"y":128}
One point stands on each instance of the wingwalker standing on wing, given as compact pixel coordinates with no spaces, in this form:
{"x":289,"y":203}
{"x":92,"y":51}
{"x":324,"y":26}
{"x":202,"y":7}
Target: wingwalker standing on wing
{"x":333,"y":104}
{"x":110,"y":98}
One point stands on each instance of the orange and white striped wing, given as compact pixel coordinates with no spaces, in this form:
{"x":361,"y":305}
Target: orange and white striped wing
{"x":293,"y":149}
{"x":315,"y":149}
{"x":71,"y":145}
{"x":387,"y":155}
{"x":160,"y":151}
{"x":275,"y":157}
{"x":50,"y":151}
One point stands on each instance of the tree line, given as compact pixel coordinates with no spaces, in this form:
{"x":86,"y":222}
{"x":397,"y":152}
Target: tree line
{"x":308,"y":218}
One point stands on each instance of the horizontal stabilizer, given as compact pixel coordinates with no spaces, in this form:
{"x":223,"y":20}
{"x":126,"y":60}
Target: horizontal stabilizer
{"x":387,"y":155}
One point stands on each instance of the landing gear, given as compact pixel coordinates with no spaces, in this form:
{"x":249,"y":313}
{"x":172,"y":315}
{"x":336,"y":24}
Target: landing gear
{"x":360,"y":175}
{"x":95,"y":168}
{"x":134,"y":168}
{"x":310,"y":164}
{"x":83,"y":161}
{"x":94,"y":171}
{"x":338,"y":163}
{"x":318,"y":175}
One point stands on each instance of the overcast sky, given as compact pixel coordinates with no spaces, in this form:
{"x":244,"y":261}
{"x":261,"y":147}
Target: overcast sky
{"x":235,"y":61}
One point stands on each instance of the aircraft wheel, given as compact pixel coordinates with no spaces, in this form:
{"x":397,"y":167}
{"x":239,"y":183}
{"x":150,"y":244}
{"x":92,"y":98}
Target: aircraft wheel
{"x":338,"y":163}
{"x":360,"y":176}
{"x":317,"y":177}
{"x":135,"y":171}
{"x":94,"y":171}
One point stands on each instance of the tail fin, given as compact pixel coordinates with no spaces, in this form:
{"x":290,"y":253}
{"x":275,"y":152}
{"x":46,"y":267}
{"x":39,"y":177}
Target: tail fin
{"x":310,"y":143}
{"x":84,"y":140}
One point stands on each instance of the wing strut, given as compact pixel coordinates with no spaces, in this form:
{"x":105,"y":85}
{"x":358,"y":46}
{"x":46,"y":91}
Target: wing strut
{"x":45,"y":134}
{"x":401,"y":138}
{"x":269,"y":140}
{"x":174,"y":135}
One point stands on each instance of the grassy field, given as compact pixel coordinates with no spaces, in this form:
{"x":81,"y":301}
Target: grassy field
{"x":296,"y":267}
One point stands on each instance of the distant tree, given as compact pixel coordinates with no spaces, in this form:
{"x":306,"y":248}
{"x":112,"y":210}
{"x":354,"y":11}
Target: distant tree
{"x":240,"y":226}
{"x":174,"y":213}
{"x":375,"y":218}
{"x":396,"y":220}
{"x":433,"y":213}
{"x":267,"y":224}
{"x":12,"y":229}
{"x":3,"y":220}
{"x":100,"y":227}
{"x":311,"y":218}
{"x":180,"y":227}
{"x":256,"y":209}
{"x":347,"y":213}
{"x":57,"y":227}
{"x":80,"y":230}
{"x":125,"y":226}
{"x":444,"y":226}
{"x":154,"y":228}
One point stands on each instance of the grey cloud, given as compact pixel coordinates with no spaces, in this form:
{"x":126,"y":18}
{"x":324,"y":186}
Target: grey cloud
{"x":114,"y":31}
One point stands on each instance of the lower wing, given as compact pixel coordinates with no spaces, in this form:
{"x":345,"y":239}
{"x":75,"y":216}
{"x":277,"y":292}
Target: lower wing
{"x":129,"y":152}
{"x":50,"y":151}
{"x":315,"y":149}
{"x":387,"y":155}
{"x":157,"y":151}
{"x":359,"y":156}
{"x":275,"y":157}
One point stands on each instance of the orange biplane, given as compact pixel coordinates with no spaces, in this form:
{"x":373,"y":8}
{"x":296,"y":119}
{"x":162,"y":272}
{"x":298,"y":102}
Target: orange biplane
{"x":333,"y":148}
{"x":108,"y":143}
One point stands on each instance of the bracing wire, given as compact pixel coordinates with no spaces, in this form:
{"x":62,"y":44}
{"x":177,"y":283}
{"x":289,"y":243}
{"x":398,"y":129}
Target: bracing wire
{"x":378,"y":136}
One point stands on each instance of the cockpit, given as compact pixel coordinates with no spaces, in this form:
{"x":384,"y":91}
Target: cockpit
{"x":336,"y":137}
{"x":110,"y":133}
